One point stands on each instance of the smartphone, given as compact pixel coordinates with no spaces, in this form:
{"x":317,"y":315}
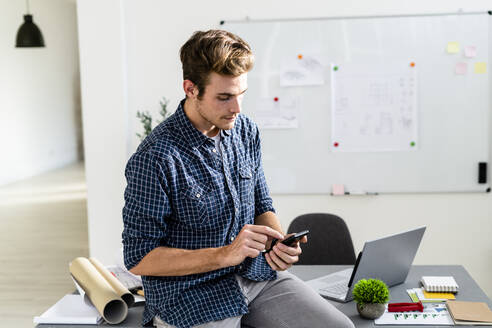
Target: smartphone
{"x":289,"y":241}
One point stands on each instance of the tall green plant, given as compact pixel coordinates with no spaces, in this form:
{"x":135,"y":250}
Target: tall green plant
{"x":146,"y":118}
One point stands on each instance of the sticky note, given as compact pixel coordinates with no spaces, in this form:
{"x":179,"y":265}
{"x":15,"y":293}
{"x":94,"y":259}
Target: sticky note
{"x":338,"y":189}
{"x":470,"y":51}
{"x":447,"y":296}
{"x":480,"y":68}
{"x":461,"y":68}
{"x":453,"y":47}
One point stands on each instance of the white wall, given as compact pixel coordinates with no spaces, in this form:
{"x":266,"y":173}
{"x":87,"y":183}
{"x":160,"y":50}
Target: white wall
{"x":104,"y":114}
{"x":459,"y":224}
{"x":40,"y":126}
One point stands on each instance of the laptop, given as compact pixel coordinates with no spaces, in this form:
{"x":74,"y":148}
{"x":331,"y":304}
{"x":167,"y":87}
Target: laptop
{"x":388,"y":259}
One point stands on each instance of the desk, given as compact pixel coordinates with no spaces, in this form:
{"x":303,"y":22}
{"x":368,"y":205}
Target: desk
{"x":469,"y":291}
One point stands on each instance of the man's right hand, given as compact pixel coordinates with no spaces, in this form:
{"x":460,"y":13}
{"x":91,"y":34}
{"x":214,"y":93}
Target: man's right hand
{"x":250,"y":241}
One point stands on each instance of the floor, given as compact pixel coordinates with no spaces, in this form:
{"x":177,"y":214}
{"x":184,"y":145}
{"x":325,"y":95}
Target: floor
{"x":43,"y":221}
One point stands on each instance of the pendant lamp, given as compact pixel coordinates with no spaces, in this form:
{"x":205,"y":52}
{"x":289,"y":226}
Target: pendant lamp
{"x":29,"y":35}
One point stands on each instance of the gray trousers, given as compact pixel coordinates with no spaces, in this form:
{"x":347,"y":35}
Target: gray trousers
{"x":285,"y":302}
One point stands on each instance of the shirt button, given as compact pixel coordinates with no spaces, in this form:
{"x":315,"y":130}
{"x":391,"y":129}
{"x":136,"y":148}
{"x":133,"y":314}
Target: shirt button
{"x":237,"y":210}
{"x":214,"y":150}
{"x":198,"y":195}
{"x":232,"y":238}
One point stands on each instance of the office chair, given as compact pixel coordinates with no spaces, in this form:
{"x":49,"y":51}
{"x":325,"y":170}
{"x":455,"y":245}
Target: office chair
{"x":329,"y":241}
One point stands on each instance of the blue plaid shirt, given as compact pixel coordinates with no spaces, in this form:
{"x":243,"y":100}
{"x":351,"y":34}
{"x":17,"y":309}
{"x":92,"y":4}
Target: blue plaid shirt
{"x":182,"y":193}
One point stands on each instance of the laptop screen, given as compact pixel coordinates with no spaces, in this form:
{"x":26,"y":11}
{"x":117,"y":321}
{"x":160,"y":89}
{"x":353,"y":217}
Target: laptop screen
{"x":390,"y":258}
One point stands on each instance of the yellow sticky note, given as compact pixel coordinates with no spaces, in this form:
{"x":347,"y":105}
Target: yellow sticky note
{"x":448,"y":296}
{"x":480,"y":68}
{"x":453,"y":47}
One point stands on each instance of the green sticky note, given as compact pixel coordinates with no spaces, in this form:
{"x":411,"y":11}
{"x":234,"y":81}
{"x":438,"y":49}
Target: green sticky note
{"x":453,"y":47}
{"x":480,"y":68}
{"x":414,"y":298}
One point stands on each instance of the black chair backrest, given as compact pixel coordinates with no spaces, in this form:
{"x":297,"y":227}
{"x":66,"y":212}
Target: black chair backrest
{"x":329,"y":241}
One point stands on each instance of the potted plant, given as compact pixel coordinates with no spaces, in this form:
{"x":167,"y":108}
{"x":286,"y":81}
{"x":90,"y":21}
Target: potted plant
{"x":146,"y":119}
{"x":371,"y":296}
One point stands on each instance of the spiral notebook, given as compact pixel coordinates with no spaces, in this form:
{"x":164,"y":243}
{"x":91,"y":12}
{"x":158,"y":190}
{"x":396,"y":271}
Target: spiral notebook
{"x":439,"y":284}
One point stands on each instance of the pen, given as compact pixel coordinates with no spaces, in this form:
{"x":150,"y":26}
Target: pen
{"x":361,"y":193}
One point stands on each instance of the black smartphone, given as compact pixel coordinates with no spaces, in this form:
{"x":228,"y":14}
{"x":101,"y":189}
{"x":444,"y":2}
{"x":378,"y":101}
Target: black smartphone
{"x":294,"y":238}
{"x":289,"y":241}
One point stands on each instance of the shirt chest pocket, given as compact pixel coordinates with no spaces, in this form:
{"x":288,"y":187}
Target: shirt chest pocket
{"x":246,"y":184}
{"x":192,"y":205}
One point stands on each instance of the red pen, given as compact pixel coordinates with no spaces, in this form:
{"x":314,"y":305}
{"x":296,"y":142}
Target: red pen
{"x":405,"y":307}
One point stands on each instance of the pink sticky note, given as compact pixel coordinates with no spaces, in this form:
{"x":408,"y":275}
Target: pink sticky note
{"x":470,"y":51}
{"x":338,"y":189}
{"x":461,"y":68}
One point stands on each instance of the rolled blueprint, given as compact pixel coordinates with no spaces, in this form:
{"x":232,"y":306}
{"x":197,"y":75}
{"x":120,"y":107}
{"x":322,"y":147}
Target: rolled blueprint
{"x":107,"y":299}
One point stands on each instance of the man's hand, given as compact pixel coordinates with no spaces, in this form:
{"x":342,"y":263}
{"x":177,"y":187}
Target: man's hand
{"x":281,"y":257}
{"x":249,"y":242}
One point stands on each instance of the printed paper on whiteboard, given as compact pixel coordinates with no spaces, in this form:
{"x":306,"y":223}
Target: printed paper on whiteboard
{"x":374,"y":107}
{"x":301,"y":70}
{"x":277,"y":112}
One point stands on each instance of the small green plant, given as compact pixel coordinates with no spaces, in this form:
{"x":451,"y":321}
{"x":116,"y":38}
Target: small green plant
{"x":370,"y":291}
{"x":146,"y":119}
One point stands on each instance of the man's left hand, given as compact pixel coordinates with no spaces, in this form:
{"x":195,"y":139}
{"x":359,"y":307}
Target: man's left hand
{"x":282,"y":257}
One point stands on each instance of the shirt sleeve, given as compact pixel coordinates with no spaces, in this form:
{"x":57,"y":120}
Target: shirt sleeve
{"x":263,"y":201}
{"x":146,"y":207}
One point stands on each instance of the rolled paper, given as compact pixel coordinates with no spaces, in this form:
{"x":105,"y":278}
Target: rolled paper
{"x":107,"y":302}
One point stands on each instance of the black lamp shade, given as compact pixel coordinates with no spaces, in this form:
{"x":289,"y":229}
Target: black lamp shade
{"x":29,"y":35}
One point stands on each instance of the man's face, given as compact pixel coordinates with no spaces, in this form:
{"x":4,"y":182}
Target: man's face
{"x":221,"y":100}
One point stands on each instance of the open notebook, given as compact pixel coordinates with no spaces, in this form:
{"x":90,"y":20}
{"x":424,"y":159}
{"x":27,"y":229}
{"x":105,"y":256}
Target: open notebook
{"x":71,"y":309}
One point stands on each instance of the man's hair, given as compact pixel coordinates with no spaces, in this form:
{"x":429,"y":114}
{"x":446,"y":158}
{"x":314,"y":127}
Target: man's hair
{"x":214,"y":51}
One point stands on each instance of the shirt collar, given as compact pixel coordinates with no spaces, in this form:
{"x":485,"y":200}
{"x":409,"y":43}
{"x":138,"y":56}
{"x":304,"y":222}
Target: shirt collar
{"x":226,"y":133}
{"x":189,"y":132}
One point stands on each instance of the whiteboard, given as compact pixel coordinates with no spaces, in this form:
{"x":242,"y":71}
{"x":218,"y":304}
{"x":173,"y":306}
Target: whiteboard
{"x":451,"y":107}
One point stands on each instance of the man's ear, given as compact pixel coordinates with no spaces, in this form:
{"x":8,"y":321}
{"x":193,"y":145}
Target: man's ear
{"x":190,"y":89}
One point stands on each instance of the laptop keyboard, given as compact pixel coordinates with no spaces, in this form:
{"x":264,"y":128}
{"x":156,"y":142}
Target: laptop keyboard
{"x":332,"y":278}
{"x":339,"y":288}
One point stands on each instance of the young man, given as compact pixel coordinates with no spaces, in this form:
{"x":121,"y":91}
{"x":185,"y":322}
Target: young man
{"x":198,"y":214}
